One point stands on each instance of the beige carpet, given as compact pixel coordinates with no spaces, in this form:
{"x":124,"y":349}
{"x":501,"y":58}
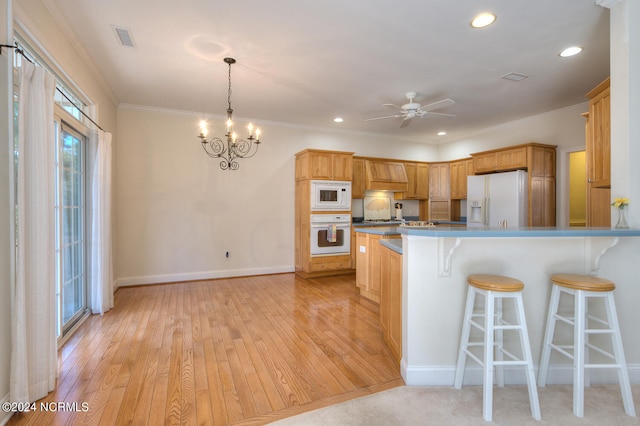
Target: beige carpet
{"x":415,"y":405}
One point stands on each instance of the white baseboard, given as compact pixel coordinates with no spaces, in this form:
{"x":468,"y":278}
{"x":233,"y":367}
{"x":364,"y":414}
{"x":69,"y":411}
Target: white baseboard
{"x":558,"y":374}
{"x":196,"y":276}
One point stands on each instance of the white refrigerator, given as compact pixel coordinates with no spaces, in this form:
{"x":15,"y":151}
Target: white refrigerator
{"x":497,"y":200}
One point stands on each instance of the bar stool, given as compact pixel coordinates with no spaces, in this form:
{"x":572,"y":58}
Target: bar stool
{"x":495,"y":288}
{"x":582,"y":288}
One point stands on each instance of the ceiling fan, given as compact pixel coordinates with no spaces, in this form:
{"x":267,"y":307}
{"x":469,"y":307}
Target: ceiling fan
{"x":412,"y":109}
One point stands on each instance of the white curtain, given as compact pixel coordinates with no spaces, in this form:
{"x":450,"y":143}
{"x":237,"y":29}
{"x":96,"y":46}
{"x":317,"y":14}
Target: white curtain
{"x":101,"y":268}
{"x":33,"y":334}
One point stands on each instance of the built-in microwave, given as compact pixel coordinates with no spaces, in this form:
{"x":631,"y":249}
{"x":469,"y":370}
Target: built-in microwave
{"x":330,"y":195}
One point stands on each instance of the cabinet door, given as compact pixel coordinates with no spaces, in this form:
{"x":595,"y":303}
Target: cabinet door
{"x":510,"y":159}
{"x":459,"y":173}
{"x":410,"y":169}
{"x":439,"y":181}
{"x":358,"y":179}
{"x":542,"y":201}
{"x":362,"y":261}
{"x":321,"y":165}
{"x":422,"y":181}
{"x":341,"y":167}
{"x":394,"y":331}
{"x":484,"y":163}
{"x":599,"y":148}
{"x":440,"y":210}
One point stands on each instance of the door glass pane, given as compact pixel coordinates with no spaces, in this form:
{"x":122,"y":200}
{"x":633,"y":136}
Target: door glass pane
{"x":71,"y":224}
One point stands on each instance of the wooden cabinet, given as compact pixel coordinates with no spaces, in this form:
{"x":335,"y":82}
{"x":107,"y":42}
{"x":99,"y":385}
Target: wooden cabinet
{"x":358,"y":179}
{"x":500,"y":160}
{"x":599,"y":141}
{"x":368,"y":251}
{"x":439,"y":192}
{"x":439,"y":181}
{"x":316,"y":164}
{"x":598,"y":154}
{"x":460,"y":169}
{"x":391,"y":301}
{"x":540,"y":162}
{"x":319,"y":164}
{"x":417,"y":182}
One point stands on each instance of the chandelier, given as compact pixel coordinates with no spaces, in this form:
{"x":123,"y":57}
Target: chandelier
{"x":233,"y":148}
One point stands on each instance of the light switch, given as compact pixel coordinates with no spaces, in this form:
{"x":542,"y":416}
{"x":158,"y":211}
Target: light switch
{"x":363,"y":249}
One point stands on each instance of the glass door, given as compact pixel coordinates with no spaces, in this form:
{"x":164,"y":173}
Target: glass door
{"x":70,"y":230}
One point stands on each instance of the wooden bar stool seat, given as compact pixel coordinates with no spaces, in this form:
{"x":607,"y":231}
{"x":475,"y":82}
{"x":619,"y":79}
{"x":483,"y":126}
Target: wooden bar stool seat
{"x":581,"y":288}
{"x":493,"y":325}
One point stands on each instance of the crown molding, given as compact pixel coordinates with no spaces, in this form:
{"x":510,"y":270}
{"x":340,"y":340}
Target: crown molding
{"x":608,"y":3}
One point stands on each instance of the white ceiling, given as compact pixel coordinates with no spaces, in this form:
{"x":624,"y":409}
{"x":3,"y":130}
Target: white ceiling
{"x":305,"y":62}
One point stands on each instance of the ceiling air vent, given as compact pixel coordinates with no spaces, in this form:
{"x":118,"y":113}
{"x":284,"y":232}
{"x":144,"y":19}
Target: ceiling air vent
{"x":514,"y":76}
{"x":124,"y":37}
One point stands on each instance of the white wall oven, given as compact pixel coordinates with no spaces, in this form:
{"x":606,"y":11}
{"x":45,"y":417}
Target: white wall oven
{"x":330,"y":234}
{"x":330,"y":195}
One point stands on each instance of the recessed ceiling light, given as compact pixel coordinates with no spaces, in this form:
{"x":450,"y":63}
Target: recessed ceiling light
{"x":442,"y":133}
{"x":483,"y":20}
{"x":338,"y":120}
{"x":570,"y":51}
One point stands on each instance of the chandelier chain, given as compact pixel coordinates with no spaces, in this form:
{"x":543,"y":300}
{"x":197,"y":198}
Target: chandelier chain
{"x":229,"y":91}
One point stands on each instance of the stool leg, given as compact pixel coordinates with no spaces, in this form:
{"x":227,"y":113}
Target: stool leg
{"x":464,"y":338}
{"x":526,"y":353}
{"x":578,"y":353}
{"x":499,"y":336}
{"x":487,"y":393}
{"x":618,"y":351}
{"x":548,"y":336}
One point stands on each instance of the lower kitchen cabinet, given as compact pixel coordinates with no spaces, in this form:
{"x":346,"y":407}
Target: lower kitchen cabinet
{"x":391,"y":300}
{"x":368,"y":252}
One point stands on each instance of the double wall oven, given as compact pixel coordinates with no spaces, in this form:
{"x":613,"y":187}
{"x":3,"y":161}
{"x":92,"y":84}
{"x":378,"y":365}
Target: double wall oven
{"x":330,"y":231}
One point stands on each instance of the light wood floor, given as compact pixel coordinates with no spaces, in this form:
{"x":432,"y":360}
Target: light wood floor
{"x":231,"y":351}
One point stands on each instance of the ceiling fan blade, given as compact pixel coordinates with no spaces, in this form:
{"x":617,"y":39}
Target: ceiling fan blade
{"x":406,"y":122}
{"x":441,"y":114}
{"x":435,"y":105}
{"x":392,"y":105}
{"x":382,"y":118}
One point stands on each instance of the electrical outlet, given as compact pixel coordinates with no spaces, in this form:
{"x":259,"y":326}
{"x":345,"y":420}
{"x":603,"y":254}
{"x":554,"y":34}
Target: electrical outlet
{"x":227,"y":255}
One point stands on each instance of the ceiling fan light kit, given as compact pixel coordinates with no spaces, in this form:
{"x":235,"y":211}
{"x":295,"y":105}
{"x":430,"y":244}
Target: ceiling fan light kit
{"x":413,"y":109}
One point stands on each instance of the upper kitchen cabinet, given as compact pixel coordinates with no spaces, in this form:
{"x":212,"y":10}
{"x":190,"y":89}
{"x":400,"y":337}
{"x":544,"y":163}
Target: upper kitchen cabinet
{"x":439,"y":181}
{"x":358,"y":180}
{"x":460,"y":169}
{"x":319,"y":164}
{"x":417,"y":182}
{"x":598,"y":144}
{"x":500,"y":160}
{"x":598,"y":153}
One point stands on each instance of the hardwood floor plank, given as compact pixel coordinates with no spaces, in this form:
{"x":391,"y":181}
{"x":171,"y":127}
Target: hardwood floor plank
{"x":239,"y":351}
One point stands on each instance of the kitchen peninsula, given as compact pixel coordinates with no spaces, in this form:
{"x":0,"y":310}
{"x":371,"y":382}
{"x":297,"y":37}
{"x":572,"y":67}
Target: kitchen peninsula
{"x":436,"y":262}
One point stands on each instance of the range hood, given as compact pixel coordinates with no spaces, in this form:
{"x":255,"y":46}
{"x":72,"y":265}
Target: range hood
{"x":384,"y":175}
